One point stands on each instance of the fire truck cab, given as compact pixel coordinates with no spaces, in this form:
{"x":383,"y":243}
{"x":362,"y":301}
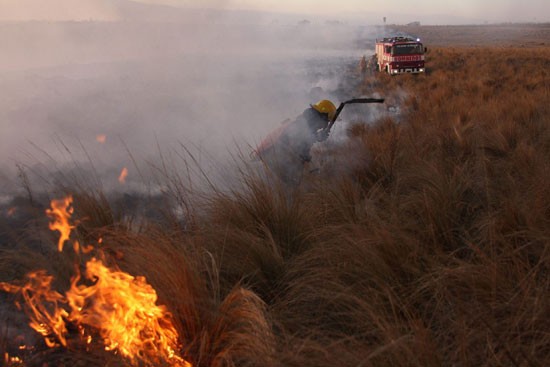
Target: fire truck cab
{"x":398,"y":55}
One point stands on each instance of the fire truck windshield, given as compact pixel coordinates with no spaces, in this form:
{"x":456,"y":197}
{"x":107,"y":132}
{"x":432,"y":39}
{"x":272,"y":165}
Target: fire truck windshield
{"x":407,"y":49}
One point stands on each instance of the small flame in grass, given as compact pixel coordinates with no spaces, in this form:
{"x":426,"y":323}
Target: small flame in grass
{"x":101,"y":138}
{"x":123,"y":175}
{"x":11,"y":211}
{"x":103,"y":301}
{"x":60,"y":213}
{"x":47,"y":317}
{"x":127,"y":317}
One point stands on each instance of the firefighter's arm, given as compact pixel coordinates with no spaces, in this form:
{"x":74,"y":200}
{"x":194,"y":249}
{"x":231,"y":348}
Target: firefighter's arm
{"x":322,"y":134}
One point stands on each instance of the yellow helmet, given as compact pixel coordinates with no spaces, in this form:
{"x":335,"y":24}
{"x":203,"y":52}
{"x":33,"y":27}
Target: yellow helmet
{"x":325,"y":106}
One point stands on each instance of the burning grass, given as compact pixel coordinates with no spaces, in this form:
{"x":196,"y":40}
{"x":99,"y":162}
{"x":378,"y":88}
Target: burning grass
{"x":434,"y":250}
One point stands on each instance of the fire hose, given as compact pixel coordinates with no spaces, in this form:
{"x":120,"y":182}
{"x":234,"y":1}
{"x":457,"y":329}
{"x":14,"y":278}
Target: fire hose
{"x":351,"y":101}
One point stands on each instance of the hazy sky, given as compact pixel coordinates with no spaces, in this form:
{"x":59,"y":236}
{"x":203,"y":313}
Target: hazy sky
{"x":503,"y":10}
{"x":428,"y":11}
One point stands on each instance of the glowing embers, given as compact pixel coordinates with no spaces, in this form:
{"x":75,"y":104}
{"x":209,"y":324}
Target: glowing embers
{"x":101,"y":138}
{"x":103,"y":304}
{"x":123,"y":175}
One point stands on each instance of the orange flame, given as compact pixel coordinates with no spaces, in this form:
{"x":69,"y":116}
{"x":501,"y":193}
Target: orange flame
{"x":60,"y":213}
{"x":11,"y":211}
{"x":124,"y":311}
{"x":47,"y":317}
{"x":120,"y":308}
{"x":123,"y":175}
{"x":12,"y":361}
{"x":101,"y":138}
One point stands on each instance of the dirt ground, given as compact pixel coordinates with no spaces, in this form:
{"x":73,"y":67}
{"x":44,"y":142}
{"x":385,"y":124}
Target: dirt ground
{"x":527,"y":35}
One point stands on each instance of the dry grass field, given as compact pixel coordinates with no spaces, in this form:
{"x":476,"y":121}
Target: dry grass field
{"x":507,"y":34}
{"x":432,"y":250}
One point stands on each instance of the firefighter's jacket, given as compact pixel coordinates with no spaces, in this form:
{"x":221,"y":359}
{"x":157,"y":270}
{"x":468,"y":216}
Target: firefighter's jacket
{"x":286,"y":149}
{"x":300,"y":135}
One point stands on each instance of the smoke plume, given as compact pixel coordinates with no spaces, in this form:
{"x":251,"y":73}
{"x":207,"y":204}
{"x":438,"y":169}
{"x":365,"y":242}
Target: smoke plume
{"x":101,"y":96}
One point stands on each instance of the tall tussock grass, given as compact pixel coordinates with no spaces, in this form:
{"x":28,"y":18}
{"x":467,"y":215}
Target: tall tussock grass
{"x":431,"y":249}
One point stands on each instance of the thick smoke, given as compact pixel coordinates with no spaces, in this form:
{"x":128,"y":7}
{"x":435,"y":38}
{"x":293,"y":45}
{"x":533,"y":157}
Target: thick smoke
{"x":99,"y":96}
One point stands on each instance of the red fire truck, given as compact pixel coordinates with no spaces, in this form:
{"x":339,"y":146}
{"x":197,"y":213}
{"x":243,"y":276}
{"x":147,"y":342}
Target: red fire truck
{"x":398,"y":55}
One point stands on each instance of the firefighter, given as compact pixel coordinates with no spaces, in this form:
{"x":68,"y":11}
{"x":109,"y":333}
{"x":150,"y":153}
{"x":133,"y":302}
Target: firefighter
{"x":309,"y":128}
{"x":287,"y":149}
